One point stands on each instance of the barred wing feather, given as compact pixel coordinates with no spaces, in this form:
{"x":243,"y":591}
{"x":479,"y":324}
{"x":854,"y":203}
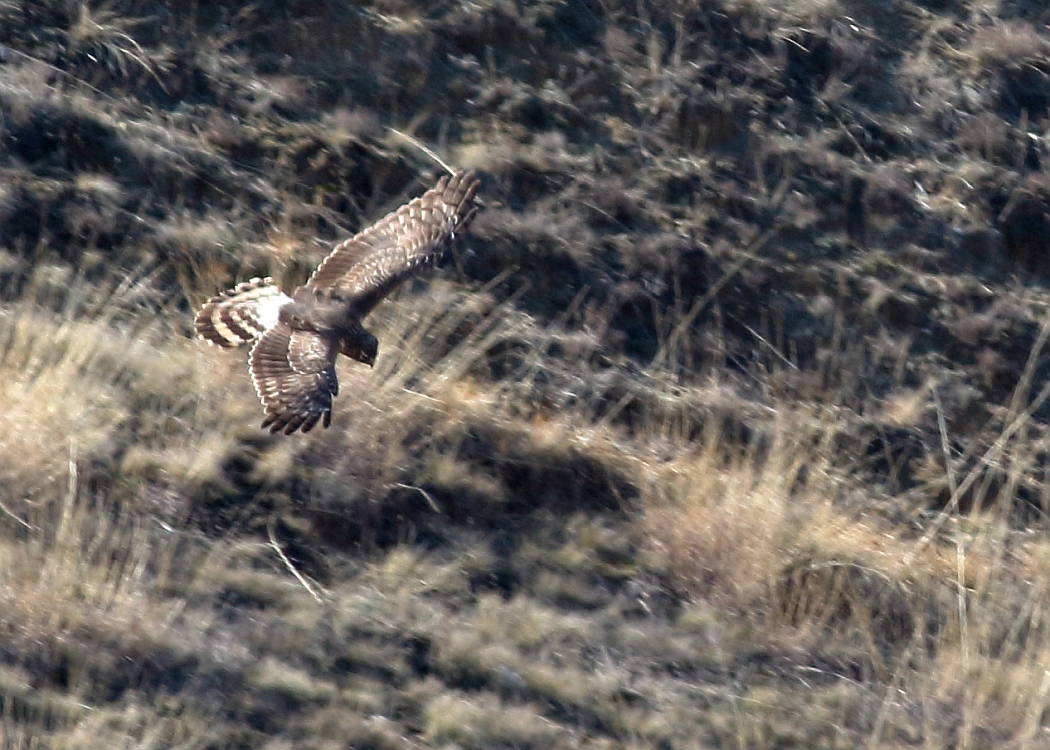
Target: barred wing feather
{"x":366,"y":267}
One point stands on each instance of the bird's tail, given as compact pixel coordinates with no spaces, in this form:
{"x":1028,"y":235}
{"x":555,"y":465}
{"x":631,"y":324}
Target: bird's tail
{"x":240,"y":315}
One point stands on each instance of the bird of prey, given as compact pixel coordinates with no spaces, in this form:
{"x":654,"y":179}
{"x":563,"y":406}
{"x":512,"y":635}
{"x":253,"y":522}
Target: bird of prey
{"x":297,"y":338}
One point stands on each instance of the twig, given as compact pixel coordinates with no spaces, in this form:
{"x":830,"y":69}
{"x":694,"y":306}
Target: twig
{"x":429,"y":498}
{"x":960,"y":551}
{"x":71,"y":485}
{"x":714,"y":290}
{"x":288,"y":563}
{"x":953,"y":485}
{"x":991,"y":456}
{"x":761,"y":340}
{"x":887,"y":700}
{"x":5,"y":511}
{"x":424,"y":148}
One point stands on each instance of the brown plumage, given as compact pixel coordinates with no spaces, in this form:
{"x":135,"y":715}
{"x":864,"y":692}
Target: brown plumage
{"x":297,"y":338}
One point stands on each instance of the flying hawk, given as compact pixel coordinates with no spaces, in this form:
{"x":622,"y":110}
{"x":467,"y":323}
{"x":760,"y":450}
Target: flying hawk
{"x":296,"y":339}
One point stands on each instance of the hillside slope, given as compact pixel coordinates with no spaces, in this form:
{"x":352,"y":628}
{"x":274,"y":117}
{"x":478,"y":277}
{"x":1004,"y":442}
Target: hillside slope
{"x":725,"y":426}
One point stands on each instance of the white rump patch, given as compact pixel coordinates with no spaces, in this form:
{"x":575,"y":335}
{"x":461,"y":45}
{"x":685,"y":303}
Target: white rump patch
{"x":268,"y":309}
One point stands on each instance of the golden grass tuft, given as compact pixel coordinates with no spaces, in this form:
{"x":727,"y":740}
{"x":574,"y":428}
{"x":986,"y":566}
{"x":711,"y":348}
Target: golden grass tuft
{"x":483,"y":721}
{"x":52,"y":401}
{"x":726,"y":517}
{"x":1007,"y":43}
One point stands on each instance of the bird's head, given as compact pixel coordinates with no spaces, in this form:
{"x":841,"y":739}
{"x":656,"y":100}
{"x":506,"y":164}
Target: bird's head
{"x":362,"y":347}
{"x":369,"y":349}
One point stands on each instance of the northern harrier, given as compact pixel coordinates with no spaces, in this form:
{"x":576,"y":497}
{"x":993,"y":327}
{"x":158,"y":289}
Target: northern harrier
{"x":297,"y":338}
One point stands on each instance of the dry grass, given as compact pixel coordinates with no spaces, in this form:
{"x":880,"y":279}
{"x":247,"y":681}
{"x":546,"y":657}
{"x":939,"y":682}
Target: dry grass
{"x":726,"y":427}
{"x":775,"y":533}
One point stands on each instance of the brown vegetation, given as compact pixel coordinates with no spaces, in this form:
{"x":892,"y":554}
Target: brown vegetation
{"x":725,"y":427}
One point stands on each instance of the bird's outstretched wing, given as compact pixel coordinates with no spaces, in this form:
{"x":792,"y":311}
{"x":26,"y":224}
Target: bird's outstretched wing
{"x":294,"y":375}
{"x":240,"y":315}
{"x":366,"y":267}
